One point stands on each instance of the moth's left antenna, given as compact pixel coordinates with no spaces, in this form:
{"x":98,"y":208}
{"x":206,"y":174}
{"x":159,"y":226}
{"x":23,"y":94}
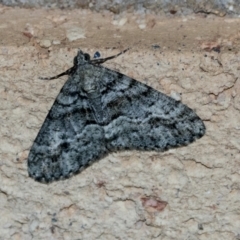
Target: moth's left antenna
{"x":68,"y":72}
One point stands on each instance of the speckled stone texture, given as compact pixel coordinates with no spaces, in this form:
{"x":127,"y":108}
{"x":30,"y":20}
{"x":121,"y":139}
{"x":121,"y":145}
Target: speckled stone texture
{"x":186,"y":193}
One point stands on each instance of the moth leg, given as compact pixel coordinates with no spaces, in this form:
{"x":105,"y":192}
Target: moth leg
{"x":68,"y":72}
{"x":102,"y":60}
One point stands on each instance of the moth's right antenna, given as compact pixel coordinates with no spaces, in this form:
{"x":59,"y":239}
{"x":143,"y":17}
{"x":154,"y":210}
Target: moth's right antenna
{"x":102,"y":60}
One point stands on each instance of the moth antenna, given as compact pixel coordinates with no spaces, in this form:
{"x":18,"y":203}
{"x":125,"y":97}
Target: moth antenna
{"x":68,"y":72}
{"x":102,"y":60}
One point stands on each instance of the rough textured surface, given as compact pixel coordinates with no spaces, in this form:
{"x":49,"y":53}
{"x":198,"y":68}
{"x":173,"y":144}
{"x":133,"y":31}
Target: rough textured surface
{"x":185,"y":193}
{"x":168,"y":7}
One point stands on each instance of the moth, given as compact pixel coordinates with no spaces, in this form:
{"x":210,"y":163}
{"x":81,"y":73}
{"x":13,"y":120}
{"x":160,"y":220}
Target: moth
{"x":99,"y":111}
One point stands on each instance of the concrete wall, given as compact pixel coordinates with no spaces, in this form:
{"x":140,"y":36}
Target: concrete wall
{"x":186,"y":193}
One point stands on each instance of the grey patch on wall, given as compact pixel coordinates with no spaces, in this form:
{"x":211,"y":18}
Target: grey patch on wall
{"x":215,"y":7}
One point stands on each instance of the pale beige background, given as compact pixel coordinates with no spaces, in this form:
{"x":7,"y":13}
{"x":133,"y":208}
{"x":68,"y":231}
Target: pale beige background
{"x":186,"y":193}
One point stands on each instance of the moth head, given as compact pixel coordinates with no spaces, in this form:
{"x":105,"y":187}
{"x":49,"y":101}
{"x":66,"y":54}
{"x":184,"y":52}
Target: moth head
{"x":81,"y":58}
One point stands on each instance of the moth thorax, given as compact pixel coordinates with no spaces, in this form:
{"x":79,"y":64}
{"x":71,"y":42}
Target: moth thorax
{"x":90,"y":86}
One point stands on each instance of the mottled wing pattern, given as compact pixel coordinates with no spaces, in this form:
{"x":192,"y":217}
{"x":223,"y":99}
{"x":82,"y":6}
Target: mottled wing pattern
{"x":98,"y":111}
{"x":143,"y":118}
{"x":69,"y":138}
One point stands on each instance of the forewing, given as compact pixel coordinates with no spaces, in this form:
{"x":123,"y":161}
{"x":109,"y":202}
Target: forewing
{"x":142,"y":118}
{"x":69,"y":138}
